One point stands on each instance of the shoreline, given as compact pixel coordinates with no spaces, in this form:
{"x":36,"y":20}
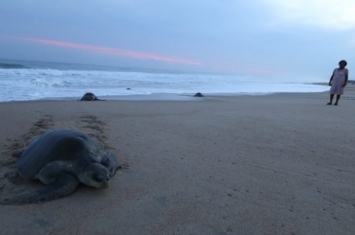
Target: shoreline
{"x":163,"y":96}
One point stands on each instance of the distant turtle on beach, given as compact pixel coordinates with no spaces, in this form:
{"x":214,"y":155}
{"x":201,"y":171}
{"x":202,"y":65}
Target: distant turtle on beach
{"x":62,"y":159}
{"x":90,"y":97}
{"x":199,"y":94}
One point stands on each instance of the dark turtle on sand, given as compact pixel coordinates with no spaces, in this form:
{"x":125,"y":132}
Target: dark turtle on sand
{"x":90,"y":97}
{"x":199,"y":94}
{"x":62,"y":159}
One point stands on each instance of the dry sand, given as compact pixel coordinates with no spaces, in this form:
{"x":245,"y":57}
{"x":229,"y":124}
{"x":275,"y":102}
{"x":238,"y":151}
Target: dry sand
{"x":276,"y":164}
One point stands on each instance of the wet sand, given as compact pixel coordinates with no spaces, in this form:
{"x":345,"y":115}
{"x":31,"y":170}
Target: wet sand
{"x":275,"y":164}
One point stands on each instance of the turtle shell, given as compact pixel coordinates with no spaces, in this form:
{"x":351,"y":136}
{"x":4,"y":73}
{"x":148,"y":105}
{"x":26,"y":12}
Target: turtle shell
{"x":68,"y":146}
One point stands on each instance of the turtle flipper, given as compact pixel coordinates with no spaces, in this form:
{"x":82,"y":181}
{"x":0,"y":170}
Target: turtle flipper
{"x":64,"y":185}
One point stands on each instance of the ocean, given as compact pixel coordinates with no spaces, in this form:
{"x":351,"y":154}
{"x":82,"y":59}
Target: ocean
{"x":31,"y":80}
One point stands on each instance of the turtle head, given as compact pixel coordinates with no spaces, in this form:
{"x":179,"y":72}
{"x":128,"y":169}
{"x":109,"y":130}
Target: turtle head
{"x":95,"y":175}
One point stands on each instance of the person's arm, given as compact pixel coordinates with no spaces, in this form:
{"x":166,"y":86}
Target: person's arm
{"x":331,"y":79}
{"x":346,"y":78}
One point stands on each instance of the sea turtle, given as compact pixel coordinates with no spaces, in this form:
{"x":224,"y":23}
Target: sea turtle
{"x":62,"y":159}
{"x":90,"y":97}
{"x":199,"y":94}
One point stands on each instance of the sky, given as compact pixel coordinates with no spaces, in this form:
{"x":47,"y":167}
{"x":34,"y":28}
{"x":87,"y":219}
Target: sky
{"x":297,"y":38}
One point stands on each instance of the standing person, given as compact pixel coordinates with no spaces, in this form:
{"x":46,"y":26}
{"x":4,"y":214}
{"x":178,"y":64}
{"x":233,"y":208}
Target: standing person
{"x":338,"y":81}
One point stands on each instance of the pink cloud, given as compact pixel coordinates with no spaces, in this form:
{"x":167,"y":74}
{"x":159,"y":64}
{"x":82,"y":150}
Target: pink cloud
{"x":145,"y":56}
{"x":110,"y":51}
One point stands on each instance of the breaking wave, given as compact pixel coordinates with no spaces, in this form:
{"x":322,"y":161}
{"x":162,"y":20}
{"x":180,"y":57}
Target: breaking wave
{"x":20,"y":83}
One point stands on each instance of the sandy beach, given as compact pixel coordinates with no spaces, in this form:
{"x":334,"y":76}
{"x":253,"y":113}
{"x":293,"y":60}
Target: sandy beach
{"x":275,"y":164}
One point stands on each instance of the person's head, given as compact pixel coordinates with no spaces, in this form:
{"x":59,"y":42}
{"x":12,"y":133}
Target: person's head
{"x":342,"y":64}
{"x":95,"y":175}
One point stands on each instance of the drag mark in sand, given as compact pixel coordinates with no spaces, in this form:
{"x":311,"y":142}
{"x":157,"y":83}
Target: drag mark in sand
{"x":95,"y":128}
